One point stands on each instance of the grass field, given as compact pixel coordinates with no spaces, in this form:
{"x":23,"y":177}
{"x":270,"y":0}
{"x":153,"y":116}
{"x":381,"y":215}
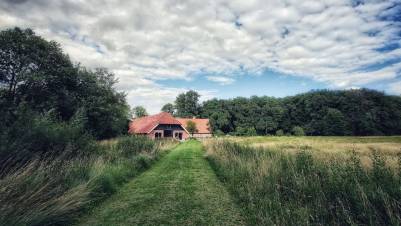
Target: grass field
{"x":311,"y":180}
{"x":327,"y":148}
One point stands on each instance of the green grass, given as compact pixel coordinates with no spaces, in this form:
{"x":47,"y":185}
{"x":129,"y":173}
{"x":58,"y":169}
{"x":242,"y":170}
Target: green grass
{"x":181,"y":189}
{"x":56,"y":191}
{"x":341,"y":139}
{"x":276,"y":187}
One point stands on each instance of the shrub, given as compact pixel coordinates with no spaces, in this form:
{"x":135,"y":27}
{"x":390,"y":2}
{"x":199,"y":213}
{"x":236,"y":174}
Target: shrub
{"x":298,"y":131}
{"x":280,"y":132}
{"x":41,"y":137}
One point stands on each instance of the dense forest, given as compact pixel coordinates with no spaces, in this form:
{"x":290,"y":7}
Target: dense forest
{"x":325,"y":112}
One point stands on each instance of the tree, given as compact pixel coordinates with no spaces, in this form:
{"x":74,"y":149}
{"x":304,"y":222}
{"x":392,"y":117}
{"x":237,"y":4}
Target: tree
{"x":334,"y":123}
{"x":36,"y":75}
{"x":37,"y":72}
{"x":105,"y":109}
{"x":139,"y":111}
{"x":187,"y":104}
{"x":191,"y":127}
{"x":168,"y":108}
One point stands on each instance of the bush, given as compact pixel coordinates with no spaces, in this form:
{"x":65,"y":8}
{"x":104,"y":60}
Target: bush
{"x":41,"y":137}
{"x":241,"y":131}
{"x":298,"y":131}
{"x":218,"y":133}
{"x":280,"y":132}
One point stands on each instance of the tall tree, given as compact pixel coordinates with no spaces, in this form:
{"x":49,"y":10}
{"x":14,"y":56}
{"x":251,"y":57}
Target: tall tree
{"x":139,"y":111}
{"x":36,"y":75}
{"x":168,"y":108}
{"x":187,"y":104}
{"x":37,"y":72}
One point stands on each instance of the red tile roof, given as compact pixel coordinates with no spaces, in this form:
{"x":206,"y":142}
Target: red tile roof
{"x":202,"y":124}
{"x":148,"y":123}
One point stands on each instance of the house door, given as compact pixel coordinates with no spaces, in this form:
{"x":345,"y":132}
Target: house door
{"x":168,"y":133}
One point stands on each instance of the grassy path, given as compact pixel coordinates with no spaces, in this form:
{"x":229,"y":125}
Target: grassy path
{"x":181,"y":189}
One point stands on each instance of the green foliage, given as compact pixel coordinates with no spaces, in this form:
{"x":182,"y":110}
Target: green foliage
{"x":324,"y":112}
{"x":191,"y":127}
{"x":280,"y":188}
{"x":168,"y":108}
{"x":139,"y":111}
{"x":280,"y":132}
{"x":51,"y":168}
{"x":218,"y":133}
{"x":40,"y":137}
{"x":35,"y":74}
{"x":133,"y":145}
{"x":241,"y":131}
{"x":334,"y":123}
{"x":297,"y":131}
{"x":187,"y":104}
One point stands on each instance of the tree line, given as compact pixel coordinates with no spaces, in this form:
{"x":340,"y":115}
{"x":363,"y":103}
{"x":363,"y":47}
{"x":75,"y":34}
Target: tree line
{"x":357,"y":112}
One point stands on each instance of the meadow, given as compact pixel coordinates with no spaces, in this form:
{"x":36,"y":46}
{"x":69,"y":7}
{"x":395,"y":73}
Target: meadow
{"x":311,"y":180}
{"x":56,"y":191}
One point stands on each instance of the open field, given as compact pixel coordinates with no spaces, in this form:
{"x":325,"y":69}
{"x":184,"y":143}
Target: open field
{"x":311,"y":180}
{"x":327,"y":148}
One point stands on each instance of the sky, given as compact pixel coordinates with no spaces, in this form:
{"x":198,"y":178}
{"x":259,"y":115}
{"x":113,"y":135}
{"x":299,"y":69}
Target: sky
{"x":223,"y":49}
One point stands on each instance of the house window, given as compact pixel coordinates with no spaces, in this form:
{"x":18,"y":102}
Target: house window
{"x":158,"y":135}
{"x":178,"y":136}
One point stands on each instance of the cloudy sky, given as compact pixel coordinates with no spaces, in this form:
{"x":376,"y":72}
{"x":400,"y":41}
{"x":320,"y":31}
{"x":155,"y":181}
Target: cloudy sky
{"x":221,"y":48}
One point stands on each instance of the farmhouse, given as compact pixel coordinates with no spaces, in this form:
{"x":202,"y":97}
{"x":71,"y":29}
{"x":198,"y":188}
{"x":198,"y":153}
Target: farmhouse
{"x":164,"y":125}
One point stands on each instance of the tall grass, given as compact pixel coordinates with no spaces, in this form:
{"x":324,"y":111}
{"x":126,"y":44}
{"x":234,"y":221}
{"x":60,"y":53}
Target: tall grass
{"x":281,"y":188}
{"x":55,"y":191}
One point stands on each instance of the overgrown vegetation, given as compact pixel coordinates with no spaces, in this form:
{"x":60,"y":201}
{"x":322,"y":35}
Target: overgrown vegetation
{"x":282,"y":188}
{"x":54,"y":191}
{"x":51,"y":113}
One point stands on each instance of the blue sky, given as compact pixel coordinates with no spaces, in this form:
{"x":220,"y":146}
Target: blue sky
{"x":224,"y":48}
{"x":268,"y":83}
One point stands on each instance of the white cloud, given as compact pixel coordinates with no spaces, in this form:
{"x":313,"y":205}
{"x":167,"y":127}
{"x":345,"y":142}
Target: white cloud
{"x":221,"y":80}
{"x":395,"y":87}
{"x":143,"y":42}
